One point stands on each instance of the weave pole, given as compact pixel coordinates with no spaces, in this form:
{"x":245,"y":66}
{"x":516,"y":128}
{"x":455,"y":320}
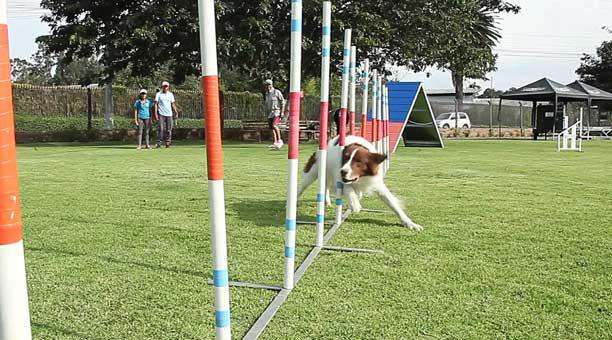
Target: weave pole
{"x":323,"y":122}
{"x":214,"y":157}
{"x":386,"y":128}
{"x":352,"y":89}
{"x":343,"y":108}
{"x":379,"y":91}
{"x":14,"y":311}
{"x":364,"y":98}
{"x":295,"y":97}
{"x":373,"y":126}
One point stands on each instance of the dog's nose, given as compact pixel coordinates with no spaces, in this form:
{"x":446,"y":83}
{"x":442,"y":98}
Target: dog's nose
{"x":343,"y":173}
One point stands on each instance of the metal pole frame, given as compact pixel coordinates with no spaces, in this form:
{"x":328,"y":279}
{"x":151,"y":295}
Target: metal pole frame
{"x":374,"y":126}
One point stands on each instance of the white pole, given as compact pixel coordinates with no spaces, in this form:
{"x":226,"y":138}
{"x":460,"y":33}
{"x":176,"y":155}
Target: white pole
{"x":214,"y":154}
{"x":323,"y":120}
{"x":14,"y":310}
{"x":295,"y":98}
{"x":373,"y":126}
{"x":378,"y":114}
{"x":386,"y":130}
{"x":364,"y":97}
{"x":343,"y":109}
{"x":353,"y":89}
{"x":580,"y":141}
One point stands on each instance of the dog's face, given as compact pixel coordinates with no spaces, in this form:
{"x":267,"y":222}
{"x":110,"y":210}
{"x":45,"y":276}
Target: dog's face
{"x":357,"y":162}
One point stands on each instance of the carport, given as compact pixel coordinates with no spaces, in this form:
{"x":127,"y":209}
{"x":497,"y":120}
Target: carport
{"x":595,"y":96}
{"x":549,"y":91}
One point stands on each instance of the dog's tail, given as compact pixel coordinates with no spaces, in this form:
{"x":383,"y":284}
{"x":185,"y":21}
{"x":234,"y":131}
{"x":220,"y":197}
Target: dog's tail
{"x":311,"y":163}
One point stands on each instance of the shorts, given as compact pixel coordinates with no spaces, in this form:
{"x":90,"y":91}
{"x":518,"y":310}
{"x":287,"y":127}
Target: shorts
{"x":274,"y":121}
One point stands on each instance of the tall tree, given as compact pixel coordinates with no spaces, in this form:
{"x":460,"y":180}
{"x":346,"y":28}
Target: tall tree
{"x":253,"y":36}
{"x":471,"y":33}
{"x":596,"y":69}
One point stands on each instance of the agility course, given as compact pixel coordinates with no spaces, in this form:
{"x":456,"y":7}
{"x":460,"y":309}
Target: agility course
{"x":101,"y":274}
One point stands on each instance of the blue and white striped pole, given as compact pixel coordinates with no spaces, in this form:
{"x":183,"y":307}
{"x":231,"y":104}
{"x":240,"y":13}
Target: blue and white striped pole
{"x":214,"y":155}
{"x":343,"y":109}
{"x":295,"y":98}
{"x":323,"y":122}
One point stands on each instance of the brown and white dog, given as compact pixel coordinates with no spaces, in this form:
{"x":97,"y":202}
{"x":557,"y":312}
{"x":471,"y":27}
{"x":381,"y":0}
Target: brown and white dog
{"x":358,"y":167}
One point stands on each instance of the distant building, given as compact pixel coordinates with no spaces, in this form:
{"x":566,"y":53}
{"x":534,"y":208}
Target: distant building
{"x":448,"y":95}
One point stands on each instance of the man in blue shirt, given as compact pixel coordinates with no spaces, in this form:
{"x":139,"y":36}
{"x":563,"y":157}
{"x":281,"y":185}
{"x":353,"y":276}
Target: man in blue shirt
{"x":142,"y":117}
{"x":165,"y":109}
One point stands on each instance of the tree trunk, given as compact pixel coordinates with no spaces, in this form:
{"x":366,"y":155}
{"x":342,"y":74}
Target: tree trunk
{"x":458,"y":84}
{"x":108,"y":106}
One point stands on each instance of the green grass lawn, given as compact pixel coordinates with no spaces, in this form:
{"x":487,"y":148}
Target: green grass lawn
{"x":517,"y":244}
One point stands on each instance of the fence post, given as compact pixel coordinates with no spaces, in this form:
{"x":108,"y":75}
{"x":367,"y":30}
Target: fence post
{"x":89,"y":109}
{"x":521,"y":117}
{"x":108,"y":105}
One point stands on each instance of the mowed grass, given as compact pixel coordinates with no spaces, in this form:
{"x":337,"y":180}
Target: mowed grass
{"x":517,"y":244}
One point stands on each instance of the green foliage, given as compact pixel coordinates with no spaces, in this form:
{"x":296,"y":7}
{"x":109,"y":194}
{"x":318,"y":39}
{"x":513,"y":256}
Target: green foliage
{"x":32,"y":123}
{"x":253,"y":36}
{"x":596,"y":69}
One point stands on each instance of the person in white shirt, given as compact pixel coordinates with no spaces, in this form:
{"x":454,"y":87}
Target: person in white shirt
{"x":165,"y":112}
{"x":275,"y":107}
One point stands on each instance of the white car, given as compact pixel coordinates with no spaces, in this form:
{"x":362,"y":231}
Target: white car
{"x":448,"y":121}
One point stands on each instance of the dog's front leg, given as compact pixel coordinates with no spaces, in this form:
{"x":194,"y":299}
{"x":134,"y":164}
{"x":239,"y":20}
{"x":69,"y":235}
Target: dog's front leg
{"x":392,"y":202}
{"x":352,"y":198}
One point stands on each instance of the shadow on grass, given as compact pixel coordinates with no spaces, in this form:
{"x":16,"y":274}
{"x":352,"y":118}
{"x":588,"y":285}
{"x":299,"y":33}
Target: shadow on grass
{"x":262,"y":213}
{"x":120,"y":262}
{"x":63,"y":332}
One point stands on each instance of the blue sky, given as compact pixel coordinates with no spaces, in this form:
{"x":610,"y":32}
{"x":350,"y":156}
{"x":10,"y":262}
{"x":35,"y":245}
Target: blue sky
{"x":546,"y":39}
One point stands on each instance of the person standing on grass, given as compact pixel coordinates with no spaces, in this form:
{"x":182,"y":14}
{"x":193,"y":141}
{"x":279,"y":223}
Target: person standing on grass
{"x":142,"y":117}
{"x":275,"y":107}
{"x":165,"y":109}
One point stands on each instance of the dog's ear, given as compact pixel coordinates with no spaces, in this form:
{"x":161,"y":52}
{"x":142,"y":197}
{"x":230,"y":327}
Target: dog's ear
{"x":378,"y":158}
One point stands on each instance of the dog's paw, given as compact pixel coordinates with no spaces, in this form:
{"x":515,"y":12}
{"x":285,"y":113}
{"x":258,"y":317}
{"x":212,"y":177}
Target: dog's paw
{"x":355,"y":208}
{"x":412,"y":226}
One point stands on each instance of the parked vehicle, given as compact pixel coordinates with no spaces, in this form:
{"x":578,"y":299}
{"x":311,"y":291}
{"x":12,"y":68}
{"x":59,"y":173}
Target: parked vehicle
{"x":448,"y":120}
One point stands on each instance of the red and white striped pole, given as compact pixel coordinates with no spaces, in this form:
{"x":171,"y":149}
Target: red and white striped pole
{"x":379,"y":91}
{"x":385,"y":118}
{"x":214,"y":157}
{"x":364,"y":98}
{"x":14,"y":311}
{"x":343,"y":109}
{"x":323,"y":122}
{"x":295,"y":97}
{"x":353,"y":90}
{"x":373,"y":126}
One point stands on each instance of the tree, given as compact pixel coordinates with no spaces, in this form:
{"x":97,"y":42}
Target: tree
{"x":596,"y":69}
{"x":471,"y":33}
{"x":253,"y":36}
{"x":491,"y":93}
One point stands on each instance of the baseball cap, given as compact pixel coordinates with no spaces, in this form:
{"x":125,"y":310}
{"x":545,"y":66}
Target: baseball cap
{"x":143,"y":91}
{"x":165,"y":83}
{"x":268,"y":82}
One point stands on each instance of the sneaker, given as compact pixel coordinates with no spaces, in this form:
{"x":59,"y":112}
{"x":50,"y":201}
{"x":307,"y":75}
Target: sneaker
{"x":280,"y":144}
{"x":149,"y":147}
{"x":157,"y":146}
{"x":272,"y":146}
{"x":138,"y":147}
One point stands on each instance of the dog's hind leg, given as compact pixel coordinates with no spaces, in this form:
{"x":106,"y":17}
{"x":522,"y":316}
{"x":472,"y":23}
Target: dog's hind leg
{"x":392,"y":202}
{"x":311,"y":174}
